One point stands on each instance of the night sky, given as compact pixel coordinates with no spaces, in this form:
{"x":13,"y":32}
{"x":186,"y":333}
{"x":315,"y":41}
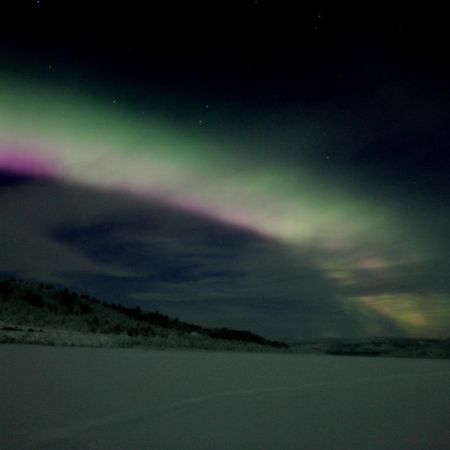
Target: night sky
{"x":276,"y":166}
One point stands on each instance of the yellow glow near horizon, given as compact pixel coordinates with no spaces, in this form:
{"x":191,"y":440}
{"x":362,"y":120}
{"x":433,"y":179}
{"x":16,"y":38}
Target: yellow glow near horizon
{"x":417,"y":315}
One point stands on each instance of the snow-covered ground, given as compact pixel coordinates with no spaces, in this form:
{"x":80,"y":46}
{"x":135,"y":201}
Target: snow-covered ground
{"x":85,"y":398}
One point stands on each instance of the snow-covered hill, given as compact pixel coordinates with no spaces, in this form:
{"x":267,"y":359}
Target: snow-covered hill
{"x":40,"y":313}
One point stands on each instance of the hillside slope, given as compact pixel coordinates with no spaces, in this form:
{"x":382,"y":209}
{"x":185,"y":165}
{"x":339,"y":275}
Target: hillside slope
{"x":40,"y":313}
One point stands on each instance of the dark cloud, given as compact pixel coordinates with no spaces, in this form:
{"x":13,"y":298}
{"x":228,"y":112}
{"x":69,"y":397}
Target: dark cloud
{"x":138,"y":253}
{"x":11,"y":179}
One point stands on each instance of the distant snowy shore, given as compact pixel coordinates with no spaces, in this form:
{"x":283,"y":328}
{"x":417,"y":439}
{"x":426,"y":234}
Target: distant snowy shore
{"x":377,"y":347}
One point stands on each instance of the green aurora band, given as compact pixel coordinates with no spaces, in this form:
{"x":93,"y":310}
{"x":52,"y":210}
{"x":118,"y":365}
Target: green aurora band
{"x":89,"y":141}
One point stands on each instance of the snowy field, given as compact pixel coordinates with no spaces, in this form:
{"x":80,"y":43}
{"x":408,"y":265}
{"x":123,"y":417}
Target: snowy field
{"x":80,"y":398}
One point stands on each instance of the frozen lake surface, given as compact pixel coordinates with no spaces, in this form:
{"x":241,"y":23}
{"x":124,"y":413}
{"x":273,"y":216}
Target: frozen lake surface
{"x":81,"y":398}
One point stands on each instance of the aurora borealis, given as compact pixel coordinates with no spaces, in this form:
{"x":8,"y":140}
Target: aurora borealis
{"x":292,"y":214}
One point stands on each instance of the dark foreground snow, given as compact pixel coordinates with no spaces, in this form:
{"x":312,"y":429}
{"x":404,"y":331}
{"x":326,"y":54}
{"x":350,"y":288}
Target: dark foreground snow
{"x":81,"y":398}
